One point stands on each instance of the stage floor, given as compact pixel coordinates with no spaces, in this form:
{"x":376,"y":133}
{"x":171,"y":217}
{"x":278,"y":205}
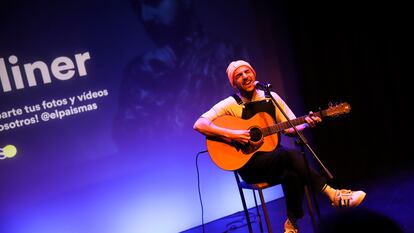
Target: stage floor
{"x":388,"y":195}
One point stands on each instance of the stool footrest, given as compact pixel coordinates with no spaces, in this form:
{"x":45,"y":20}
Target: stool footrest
{"x":254,"y":186}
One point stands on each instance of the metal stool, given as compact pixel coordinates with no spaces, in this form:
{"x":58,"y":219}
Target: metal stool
{"x":260,"y":187}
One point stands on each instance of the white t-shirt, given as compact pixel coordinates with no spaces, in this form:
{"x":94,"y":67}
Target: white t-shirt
{"x":229,"y":106}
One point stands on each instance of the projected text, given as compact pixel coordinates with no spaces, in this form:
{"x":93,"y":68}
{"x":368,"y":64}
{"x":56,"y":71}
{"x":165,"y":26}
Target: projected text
{"x":53,"y":109}
{"x":62,"y":68}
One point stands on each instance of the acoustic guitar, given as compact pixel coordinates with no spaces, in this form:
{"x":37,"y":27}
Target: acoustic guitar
{"x":264,"y":136}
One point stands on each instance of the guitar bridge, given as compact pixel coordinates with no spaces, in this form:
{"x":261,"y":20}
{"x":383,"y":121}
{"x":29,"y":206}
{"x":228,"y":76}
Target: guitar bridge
{"x":251,"y":147}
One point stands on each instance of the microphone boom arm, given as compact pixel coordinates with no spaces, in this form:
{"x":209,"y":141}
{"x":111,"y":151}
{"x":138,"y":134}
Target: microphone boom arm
{"x":266,"y":88}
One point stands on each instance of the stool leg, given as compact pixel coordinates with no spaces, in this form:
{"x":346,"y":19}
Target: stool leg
{"x":258,"y":212}
{"x":249,"y":224}
{"x":269,"y":228}
{"x":246,"y":213}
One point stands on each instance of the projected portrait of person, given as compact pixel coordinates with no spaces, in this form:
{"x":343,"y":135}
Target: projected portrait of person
{"x":164,"y":89}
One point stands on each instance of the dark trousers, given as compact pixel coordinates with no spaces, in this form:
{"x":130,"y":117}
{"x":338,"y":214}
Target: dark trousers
{"x":287,"y":167}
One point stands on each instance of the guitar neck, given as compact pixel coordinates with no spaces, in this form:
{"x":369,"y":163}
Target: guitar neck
{"x":276,"y":128}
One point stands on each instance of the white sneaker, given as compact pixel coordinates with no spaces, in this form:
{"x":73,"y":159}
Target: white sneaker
{"x":348,"y":198}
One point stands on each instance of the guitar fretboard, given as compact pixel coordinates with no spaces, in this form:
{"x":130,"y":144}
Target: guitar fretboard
{"x":285,"y":125}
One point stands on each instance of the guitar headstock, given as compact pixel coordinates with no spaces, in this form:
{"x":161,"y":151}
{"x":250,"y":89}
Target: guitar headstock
{"x":337,"y":109}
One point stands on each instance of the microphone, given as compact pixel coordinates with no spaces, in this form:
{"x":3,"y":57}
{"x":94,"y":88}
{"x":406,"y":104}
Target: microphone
{"x":8,"y":151}
{"x":262,"y":86}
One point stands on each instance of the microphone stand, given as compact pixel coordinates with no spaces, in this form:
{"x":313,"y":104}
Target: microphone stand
{"x":303,"y":142}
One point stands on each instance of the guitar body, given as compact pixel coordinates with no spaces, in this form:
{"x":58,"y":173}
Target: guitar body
{"x":230,"y":156}
{"x":264,"y":136}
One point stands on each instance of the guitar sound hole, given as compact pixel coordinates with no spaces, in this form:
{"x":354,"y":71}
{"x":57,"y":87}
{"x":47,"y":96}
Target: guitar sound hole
{"x":255,"y":134}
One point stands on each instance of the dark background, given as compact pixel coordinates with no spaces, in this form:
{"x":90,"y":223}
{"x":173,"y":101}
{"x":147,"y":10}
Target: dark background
{"x":353,"y":52}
